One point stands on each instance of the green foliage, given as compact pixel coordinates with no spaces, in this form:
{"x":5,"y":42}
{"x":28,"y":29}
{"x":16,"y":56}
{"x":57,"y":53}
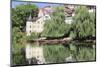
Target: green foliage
{"x":72,"y":47}
{"x":83,"y":26}
{"x":58,"y":8}
{"x":20,"y":14}
{"x":58,"y":53}
{"x":33,"y":36}
{"x":18,"y":56}
{"x":83,"y":23}
{"x":72,"y":34}
{"x":18,"y":36}
{"x":18,"y":43}
{"x":55,"y":53}
{"x":56,"y":26}
{"x":86,"y":54}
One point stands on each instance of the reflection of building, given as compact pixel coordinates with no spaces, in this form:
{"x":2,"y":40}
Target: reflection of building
{"x":36,"y":24}
{"x":34,"y":54}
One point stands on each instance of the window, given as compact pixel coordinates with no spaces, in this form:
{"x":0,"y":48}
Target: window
{"x":46,"y":17}
{"x":38,"y":26}
{"x":40,"y":22}
{"x":30,"y":53}
{"x":37,"y":56}
{"x":37,"y":21}
{"x":30,"y":31}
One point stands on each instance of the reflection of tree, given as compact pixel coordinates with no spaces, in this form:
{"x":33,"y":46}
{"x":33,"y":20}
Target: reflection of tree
{"x":32,"y":61}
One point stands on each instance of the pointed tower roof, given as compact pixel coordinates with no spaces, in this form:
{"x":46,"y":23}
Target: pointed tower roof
{"x":30,"y":11}
{"x":30,"y":17}
{"x":34,"y":19}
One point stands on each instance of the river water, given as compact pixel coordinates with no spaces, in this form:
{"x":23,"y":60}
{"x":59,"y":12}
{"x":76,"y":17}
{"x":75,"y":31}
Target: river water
{"x":59,"y":53}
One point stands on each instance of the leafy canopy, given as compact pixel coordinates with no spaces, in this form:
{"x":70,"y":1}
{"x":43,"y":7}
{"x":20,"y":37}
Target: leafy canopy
{"x":56,"y":26}
{"x":21,"y":13}
{"x":83,"y":23}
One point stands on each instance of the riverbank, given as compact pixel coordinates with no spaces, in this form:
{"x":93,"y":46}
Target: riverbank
{"x":59,"y":40}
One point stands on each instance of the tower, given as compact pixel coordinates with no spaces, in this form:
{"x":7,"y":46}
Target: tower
{"x":29,"y":25}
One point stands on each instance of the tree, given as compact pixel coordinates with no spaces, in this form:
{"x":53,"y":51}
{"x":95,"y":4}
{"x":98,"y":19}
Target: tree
{"x":56,"y":26}
{"x":83,"y":23}
{"x":21,"y":13}
{"x":18,"y":43}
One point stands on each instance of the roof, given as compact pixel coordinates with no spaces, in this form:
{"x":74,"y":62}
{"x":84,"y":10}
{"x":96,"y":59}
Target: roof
{"x":30,"y":17}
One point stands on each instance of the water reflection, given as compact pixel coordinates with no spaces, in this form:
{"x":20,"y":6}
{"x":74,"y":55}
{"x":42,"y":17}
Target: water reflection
{"x":57,"y":53}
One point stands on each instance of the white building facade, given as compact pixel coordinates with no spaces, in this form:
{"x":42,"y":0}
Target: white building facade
{"x":37,"y":24}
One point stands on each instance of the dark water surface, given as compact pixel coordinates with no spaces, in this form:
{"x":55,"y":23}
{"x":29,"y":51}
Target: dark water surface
{"x":68,"y":52}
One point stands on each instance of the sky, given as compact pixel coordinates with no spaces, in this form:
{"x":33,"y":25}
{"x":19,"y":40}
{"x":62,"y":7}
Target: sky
{"x":40,"y":5}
